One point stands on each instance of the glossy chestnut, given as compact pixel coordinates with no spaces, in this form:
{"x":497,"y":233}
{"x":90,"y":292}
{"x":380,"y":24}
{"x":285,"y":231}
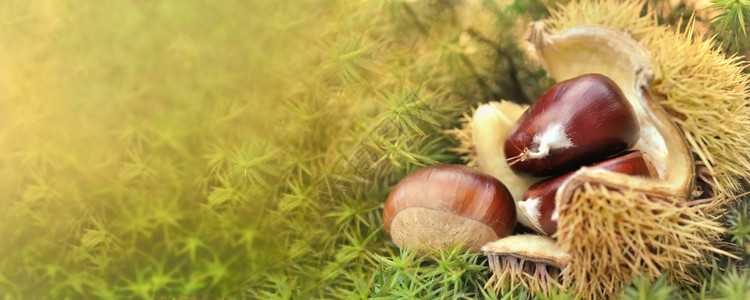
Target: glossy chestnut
{"x":574,"y":123}
{"x":538,"y":203}
{"x":443,"y":205}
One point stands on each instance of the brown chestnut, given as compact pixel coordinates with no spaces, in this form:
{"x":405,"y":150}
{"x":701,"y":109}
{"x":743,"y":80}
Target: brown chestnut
{"x":444,"y":205}
{"x":538,"y":203}
{"x":576,"y":122}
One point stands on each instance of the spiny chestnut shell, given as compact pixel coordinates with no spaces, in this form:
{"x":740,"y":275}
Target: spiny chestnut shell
{"x":596,"y":117}
{"x":443,"y":205}
{"x":632,"y":163}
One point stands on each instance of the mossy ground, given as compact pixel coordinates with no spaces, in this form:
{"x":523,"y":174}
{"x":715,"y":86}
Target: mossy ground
{"x":244,"y":149}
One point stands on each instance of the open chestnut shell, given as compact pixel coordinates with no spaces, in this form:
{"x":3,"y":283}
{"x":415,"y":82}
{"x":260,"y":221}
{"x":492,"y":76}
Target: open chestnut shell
{"x":560,"y":54}
{"x":444,"y":205}
{"x":613,"y":225}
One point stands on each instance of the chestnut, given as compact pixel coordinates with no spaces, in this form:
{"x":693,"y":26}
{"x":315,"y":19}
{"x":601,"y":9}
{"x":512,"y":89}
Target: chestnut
{"x":444,"y":205}
{"x":538,"y":203}
{"x":576,"y":122}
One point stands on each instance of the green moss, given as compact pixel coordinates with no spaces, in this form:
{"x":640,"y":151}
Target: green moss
{"x":738,"y":221}
{"x":642,"y":289}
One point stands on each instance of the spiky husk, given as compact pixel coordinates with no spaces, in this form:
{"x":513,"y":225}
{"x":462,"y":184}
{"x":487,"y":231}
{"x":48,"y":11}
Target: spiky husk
{"x":462,"y":134}
{"x":531,"y":261}
{"x":510,"y":271}
{"x":621,"y":15}
{"x":705,"y":92}
{"x":614,"y":235}
{"x":703,"y":89}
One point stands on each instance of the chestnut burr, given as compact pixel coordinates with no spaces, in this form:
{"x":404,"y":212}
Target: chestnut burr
{"x":576,"y":122}
{"x":538,"y":202}
{"x":444,"y":205}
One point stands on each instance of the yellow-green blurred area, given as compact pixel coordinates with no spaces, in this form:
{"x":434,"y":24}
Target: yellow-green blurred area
{"x":136,"y":136}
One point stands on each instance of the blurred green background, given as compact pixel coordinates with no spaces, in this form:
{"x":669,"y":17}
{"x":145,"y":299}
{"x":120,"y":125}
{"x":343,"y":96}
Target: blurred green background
{"x":239,"y":149}
{"x":143,"y":143}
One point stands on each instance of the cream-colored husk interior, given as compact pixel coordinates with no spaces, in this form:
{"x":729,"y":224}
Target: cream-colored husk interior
{"x":491,"y":122}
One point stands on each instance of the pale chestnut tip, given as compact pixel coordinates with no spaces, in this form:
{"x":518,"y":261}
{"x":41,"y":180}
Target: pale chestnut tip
{"x":531,"y":208}
{"x":555,"y":215}
{"x":554,"y":137}
{"x":576,"y":122}
{"x":447,"y":205}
